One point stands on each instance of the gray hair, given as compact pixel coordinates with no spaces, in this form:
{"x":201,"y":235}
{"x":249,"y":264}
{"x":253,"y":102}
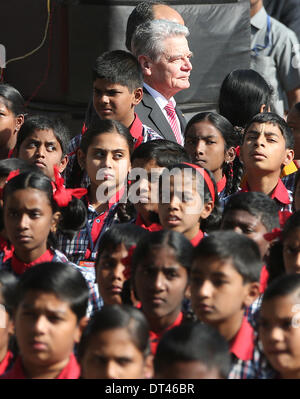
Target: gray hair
{"x":148,"y":38}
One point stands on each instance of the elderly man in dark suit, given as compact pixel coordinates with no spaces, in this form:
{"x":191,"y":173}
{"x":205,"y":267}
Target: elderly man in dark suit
{"x":163,"y":52}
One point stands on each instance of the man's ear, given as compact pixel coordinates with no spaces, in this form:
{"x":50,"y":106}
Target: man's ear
{"x":81,"y":157}
{"x":145,"y":63}
{"x":80,"y":327}
{"x":207,"y":209}
{"x":289,"y":156}
{"x":55,"y":220}
{"x":63,"y":164}
{"x":252,"y":292}
{"x":138,"y":95}
{"x":148,"y":367}
{"x":19,"y":122}
{"x":230,"y":155}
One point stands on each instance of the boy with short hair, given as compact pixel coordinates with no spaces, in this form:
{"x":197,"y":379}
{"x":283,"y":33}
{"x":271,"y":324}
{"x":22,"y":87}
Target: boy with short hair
{"x":267,"y":147}
{"x":117,"y":89}
{"x":192,"y":350}
{"x":49,"y":316}
{"x":224,"y":282}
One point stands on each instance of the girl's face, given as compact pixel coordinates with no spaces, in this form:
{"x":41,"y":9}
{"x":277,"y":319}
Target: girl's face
{"x":28,"y":219}
{"x":184,"y":209}
{"x":205,"y":144}
{"x":107,"y":160}
{"x":41,"y":148}
{"x":111,"y":354}
{"x":9,"y":126}
{"x":110,"y":274}
{"x":161,"y":283}
{"x":291,"y":252}
{"x":279,"y":331}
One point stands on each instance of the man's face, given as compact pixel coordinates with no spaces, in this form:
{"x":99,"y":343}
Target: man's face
{"x":170,"y":74}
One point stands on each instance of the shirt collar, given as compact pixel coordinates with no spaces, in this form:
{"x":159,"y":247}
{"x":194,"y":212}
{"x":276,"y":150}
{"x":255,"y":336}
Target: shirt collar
{"x":242,"y":345}
{"x":259,"y":19}
{"x":136,"y":127}
{"x":159,"y":98}
{"x":198,"y":237}
{"x":20,"y":267}
{"x":155,"y":337}
{"x":152,"y":227}
{"x":221,"y":184}
{"x":279,"y":193}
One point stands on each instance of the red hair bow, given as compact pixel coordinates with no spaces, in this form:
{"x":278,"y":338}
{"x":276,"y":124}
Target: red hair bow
{"x":11,"y":175}
{"x":275,"y":233}
{"x":63,"y":196}
{"x":238,"y":150}
{"x":127,"y":262}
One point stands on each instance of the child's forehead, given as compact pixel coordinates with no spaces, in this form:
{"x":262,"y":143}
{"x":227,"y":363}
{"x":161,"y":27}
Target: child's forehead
{"x":265,"y":127}
{"x":101,"y":83}
{"x":44,"y":135}
{"x":242,"y":215}
{"x":210,"y":264}
{"x":50,"y":300}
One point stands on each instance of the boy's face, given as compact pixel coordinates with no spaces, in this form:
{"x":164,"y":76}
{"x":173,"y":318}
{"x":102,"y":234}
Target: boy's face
{"x":110,"y":274}
{"x":218,"y":293}
{"x":291,"y":252}
{"x":46,"y":329}
{"x":114,"y":101}
{"x":192,"y":369}
{"x":279,"y":331}
{"x":111,"y":354}
{"x":263,"y":149}
{"x":161,"y":283}
{"x":41,"y":148}
{"x":6,"y":328}
{"x":243,"y":222}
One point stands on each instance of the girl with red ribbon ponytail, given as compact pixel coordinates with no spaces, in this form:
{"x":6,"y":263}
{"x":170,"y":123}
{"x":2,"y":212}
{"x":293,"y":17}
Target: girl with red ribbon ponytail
{"x":188,"y":201}
{"x":31,"y":218}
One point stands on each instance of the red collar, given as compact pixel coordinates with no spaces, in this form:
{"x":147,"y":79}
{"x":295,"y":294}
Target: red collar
{"x":153,"y":227}
{"x":155,"y":337}
{"x":136,"y":128}
{"x":263,"y":280}
{"x":221,"y":184}
{"x":6,"y":248}
{"x":71,"y":371}
{"x":198,"y":237}
{"x":280,"y":192}
{"x":242,"y":345}
{"x":6,"y":362}
{"x":20,"y":267}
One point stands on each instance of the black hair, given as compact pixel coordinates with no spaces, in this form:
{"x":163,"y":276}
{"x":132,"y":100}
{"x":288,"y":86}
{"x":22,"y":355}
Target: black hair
{"x":193,"y":342}
{"x":12,"y":99}
{"x":239,"y":249}
{"x":274,"y":119}
{"x":61,"y":279}
{"x":163,"y":238}
{"x":119,"y":67}
{"x":233,"y":171}
{"x":242,"y":93}
{"x":97,"y":128}
{"x":111,"y":317}
{"x":127,"y":233}
{"x":9,"y":165}
{"x":275,"y":262}
{"x":73,"y":216}
{"x":142,"y":13}
{"x":42,"y":122}
{"x":257,"y":204}
{"x":212,"y":222}
{"x":163,"y":152}
{"x":282,"y":286}
{"x":8,"y":283}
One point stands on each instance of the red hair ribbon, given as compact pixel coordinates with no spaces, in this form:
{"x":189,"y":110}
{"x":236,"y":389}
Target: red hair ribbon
{"x":61,"y":195}
{"x":127,"y":262}
{"x":11,"y":175}
{"x":206,"y":177}
{"x":275,"y":233}
{"x":238,"y":150}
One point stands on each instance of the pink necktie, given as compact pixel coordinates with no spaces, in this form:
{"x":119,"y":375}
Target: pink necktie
{"x":171,"y":113}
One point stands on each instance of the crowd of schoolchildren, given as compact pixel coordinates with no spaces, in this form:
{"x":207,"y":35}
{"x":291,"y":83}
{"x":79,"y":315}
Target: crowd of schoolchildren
{"x":204,"y":285}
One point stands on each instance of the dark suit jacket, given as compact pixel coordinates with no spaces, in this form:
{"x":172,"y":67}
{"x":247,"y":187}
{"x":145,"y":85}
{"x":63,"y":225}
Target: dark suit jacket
{"x":151,"y":115}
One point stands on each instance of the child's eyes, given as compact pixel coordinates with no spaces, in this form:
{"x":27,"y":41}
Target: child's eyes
{"x":118,"y":156}
{"x":51,"y":148}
